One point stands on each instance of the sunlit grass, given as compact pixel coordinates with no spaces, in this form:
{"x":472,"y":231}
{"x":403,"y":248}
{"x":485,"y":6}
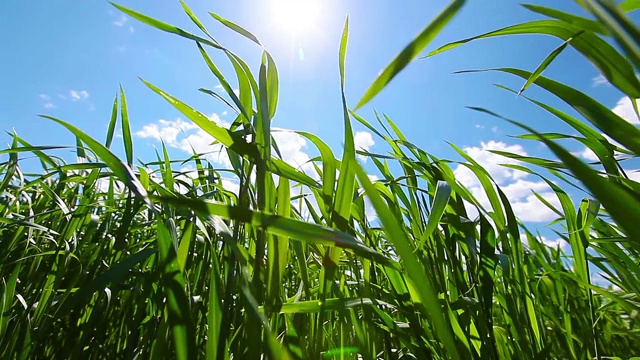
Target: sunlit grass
{"x":114,"y":258}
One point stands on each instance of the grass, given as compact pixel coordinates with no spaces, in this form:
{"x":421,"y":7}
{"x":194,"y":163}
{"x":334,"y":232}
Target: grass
{"x":111,"y":258}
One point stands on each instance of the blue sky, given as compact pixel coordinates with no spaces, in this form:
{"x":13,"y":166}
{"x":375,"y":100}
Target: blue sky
{"x":67,"y":59}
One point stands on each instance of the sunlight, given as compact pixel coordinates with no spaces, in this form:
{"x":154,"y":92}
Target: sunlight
{"x":295,"y":16}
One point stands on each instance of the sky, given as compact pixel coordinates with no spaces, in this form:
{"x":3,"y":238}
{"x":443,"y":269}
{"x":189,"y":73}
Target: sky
{"x":67,"y":59}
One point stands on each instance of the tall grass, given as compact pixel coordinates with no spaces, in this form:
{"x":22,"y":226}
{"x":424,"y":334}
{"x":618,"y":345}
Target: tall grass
{"x":111,"y":258}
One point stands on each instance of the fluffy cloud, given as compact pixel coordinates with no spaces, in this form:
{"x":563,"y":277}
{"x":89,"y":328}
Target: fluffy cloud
{"x":46,"y":99}
{"x":546,"y":241}
{"x":291,"y":146}
{"x":516,"y":184}
{"x":599,"y":80}
{"x":633,"y":174}
{"x":588,"y":154}
{"x":120,"y":21}
{"x":624,"y":109}
{"x":363,"y":141}
{"x":77,"y":95}
{"x":186,"y":136}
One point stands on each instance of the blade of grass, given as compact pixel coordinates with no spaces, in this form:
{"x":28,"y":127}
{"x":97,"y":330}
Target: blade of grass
{"x":411,"y":51}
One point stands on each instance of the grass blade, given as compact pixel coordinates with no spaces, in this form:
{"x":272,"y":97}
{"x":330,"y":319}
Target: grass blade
{"x":410,"y":52}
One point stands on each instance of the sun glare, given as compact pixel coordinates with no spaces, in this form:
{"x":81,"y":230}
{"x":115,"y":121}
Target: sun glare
{"x":296,"y":16}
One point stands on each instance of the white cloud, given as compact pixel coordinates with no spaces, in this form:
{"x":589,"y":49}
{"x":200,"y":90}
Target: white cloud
{"x":47,"y":103}
{"x":546,"y":241}
{"x":165,"y":130}
{"x":291,"y":147}
{"x":220,"y":87}
{"x":633,"y":174}
{"x":77,"y":95}
{"x":363,"y":141}
{"x":478,"y":126}
{"x":120,"y":21}
{"x":185,"y":135}
{"x":588,"y":154}
{"x":624,"y":109}
{"x":514,"y":183}
{"x":131,"y":29}
{"x":599,"y":80}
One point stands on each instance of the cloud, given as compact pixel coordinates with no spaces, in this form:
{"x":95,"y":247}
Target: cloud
{"x":624,"y":109}
{"x":363,"y":141}
{"x":46,"y":99}
{"x":478,"y":126}
{"x":165,"y":130}
{"x":221,"y":88}
{"x":120,"y":21}
{"x":77,"y":95}
{"x":599,"y":80}
{"x":516,"y":184}
{"x":546,"y":241}
{"x":291,"y":146}
{"x":588,"y":154}
{"x":633,"y":174}
{"x":186,"y":136}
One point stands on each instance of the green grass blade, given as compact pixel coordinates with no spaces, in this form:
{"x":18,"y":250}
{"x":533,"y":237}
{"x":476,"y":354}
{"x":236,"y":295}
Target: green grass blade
{"x":615,"y":198}
{"x":578,"y":21}
{"x":440,"y":200}
{"x":126,"y":128}
{"x":223,"y":81}
{"x":411,"y":51}
{"x":112,"y":123}
{"x":179,"y":318}
{"x":164,"y":26}
{"x":546,"y":62}
{"x":620,"y":26}
{"x":419,"y":280}
{"x":613,"y":66}
{"x":240,"y":30}
{"x":121,"y":170}
{"x":281,"y":226}
{"x":599,"y":115}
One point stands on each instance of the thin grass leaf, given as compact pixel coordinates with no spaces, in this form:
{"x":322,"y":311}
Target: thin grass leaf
{"x":410,"y":52}
{"x":546,"y":62}
{"x":121,"y":170}
{"x":613,"y":66}
{"x":112,"y":123}
{"x":240,"y":30}
{"x":126,"y":128}
{"x":164,"y":26}
{"x":419,"y":280}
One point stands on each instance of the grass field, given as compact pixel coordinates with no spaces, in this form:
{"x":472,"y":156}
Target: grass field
{"x":115,"y":258}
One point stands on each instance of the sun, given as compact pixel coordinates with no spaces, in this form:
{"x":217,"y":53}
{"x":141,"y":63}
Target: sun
{"x":295,"y":16}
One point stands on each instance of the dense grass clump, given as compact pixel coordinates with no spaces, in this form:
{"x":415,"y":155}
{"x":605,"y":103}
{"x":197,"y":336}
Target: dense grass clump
{"x":111,"y":258}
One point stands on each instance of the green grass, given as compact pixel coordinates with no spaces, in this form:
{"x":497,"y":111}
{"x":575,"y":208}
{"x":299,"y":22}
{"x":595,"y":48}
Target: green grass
{"x":111,"y":258}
